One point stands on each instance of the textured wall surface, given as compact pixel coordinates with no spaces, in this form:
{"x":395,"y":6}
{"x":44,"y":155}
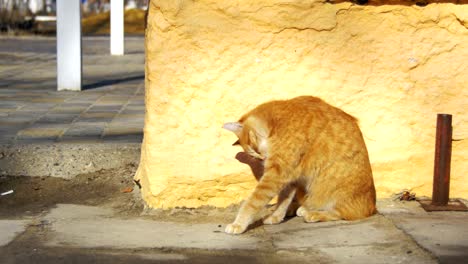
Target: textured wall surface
{"x":394,"y":67}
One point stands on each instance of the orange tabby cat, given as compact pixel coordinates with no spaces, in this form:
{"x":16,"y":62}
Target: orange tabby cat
{"x":309,"y":150}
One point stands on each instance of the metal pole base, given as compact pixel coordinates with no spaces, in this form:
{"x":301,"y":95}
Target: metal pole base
{"x":452,"y":205}
{"x":441,"y":185}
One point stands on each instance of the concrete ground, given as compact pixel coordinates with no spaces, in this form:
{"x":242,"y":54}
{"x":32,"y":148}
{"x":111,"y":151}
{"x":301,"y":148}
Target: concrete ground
{"x":62,"y":134}
{"x":71,"y":233}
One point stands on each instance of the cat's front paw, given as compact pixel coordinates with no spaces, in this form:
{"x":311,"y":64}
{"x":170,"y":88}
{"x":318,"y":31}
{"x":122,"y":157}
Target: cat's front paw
{"x":235,"y":229}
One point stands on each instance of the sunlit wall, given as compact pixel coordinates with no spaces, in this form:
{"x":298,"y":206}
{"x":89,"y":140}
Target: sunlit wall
{"x":394,"y":67}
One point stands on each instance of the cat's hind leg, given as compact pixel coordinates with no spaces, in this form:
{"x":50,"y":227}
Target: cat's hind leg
{"x":285,"y":198}
{"x":312,"y":216}
{"x":317,"y":209}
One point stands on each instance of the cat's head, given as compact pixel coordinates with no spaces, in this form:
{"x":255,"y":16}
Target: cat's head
{"x":251,"y":138}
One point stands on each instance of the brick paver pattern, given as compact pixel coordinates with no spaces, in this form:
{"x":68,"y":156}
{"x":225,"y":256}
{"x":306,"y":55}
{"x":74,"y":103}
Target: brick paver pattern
{"x":109,"y":108}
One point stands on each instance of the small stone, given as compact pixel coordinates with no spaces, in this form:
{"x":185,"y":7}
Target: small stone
{"x":127,"y":190}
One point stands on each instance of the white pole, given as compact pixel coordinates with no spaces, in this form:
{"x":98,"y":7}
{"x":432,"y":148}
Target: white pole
{"x":117,"y":27}
{"x":69,"y":62}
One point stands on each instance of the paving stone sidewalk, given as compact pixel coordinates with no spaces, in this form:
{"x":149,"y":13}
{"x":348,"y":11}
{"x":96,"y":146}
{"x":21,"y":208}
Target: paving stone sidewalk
{"x":110,"y":108}
{"x":45,"y":132}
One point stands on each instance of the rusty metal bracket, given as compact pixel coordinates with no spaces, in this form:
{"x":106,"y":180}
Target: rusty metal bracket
{"x":441,"y":185}
{"x":452,"y":205}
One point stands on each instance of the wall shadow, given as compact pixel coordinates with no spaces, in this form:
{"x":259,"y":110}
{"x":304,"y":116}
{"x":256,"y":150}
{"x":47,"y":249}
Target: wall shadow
{"x":114,"y":81}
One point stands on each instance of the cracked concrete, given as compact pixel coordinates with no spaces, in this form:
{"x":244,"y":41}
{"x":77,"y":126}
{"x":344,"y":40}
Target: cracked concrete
{"x":403,"y":234}
{"x":92,"y":218}
{"x":10,"y":229}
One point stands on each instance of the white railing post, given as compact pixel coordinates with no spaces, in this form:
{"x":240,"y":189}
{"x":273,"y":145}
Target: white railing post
{"x":69,"y":59}
{"x":117,"y":27}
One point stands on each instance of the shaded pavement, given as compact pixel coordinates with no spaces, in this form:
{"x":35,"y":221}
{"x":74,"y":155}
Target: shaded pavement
{"x":39,"y":125}
{"x":111,"y":106}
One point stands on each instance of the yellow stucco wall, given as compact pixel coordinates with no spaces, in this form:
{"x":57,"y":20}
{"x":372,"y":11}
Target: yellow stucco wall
{"x":392,"y":66}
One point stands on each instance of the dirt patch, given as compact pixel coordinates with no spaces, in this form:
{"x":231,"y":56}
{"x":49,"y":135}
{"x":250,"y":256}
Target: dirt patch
{"x":114,"y":189}
{"x":33,"y":195}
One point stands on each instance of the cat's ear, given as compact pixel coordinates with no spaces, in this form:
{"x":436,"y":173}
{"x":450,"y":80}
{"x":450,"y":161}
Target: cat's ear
{"x":234,"y":127}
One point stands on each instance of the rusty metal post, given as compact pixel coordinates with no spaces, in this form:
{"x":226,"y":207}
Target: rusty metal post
{"x":441,"y":185}
{"x":443,"y":153}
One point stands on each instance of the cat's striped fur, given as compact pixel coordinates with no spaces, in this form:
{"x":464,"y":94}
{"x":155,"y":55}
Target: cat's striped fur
{"x":311,"y":151}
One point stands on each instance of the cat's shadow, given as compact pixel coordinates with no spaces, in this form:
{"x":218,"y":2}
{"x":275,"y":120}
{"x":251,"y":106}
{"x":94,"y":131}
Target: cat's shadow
{"x":260,"y":223}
